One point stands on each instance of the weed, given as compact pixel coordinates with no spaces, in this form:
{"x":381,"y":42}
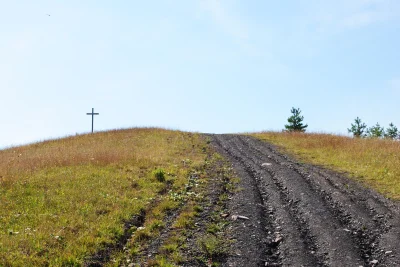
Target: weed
{"x":142,"y":234}
{"x":169,"y":248}
{"x":156,"y":225}
{"x":159,"y":174}
{"x":211,"y":246}
{"x":163,"y":262}
{"x":185,"y":220}
{"x":198,"y":208}
{"x":214,"y":228}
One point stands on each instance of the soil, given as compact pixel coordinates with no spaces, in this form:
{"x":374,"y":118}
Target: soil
{"x":303,"y":215}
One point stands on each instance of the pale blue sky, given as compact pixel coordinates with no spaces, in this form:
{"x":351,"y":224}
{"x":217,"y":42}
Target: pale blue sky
{"x":198,"y":65}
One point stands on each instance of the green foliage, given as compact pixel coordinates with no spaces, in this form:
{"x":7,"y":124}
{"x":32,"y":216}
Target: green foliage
{"x":212,"y":246}
{"x":159,"y":174}
{"x":296,"y":122}
{"x":358,"y":129}
{"x":392,"y":132}
{"x":376,"y":131}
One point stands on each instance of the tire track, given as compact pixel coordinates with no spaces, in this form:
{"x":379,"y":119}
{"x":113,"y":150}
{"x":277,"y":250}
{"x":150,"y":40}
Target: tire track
{"x":323,"y":221}
{"x":372,"y":220}
{"x":274,"y":252}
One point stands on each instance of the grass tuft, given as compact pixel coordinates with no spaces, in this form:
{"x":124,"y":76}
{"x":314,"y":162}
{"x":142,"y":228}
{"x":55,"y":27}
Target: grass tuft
{"x":212,"y":246}
{"x":159,"y":174}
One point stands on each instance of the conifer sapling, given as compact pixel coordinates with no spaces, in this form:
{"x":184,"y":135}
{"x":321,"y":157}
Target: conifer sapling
{"x":358,"y":128}
{"x":296,"y":122}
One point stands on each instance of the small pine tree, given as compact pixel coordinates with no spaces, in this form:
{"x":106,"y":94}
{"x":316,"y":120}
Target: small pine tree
{"x":376,"y":131}
{"x":296,"y":122}
{"x":392,"y":132}
{"x":358,"y":128}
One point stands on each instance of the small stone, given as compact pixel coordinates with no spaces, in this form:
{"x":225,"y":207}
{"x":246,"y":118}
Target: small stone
{"x":266,"y":164}
{"x":278,"y":239}
{"x":347,"y":230}
{"x":235,"y":217}
{"x":388,"y":252}
{"x":373,"y":262}
{"x":224,"y":215}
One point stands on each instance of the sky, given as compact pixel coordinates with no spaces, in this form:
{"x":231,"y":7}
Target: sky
{"x":215,"y":66}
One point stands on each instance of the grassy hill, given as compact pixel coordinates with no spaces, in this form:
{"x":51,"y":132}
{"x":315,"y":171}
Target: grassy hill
{"x":374,"y":162}
{"x":63,"y":202}
{"x":106,"y":198}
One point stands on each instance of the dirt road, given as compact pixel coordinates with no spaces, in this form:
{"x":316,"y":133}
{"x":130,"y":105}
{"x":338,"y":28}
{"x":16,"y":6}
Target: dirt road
{"x":303,"y":215}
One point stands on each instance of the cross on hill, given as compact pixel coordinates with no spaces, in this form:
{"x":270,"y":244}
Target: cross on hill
{"x":92,"y":116}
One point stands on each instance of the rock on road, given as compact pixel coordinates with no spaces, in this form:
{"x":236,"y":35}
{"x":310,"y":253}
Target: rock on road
{"x":303,"y":215}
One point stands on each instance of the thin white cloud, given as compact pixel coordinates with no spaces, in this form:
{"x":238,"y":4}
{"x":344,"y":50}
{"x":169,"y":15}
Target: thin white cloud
{"x":225,"y":18}
{"x":361,"y":19}
{"x":343,"y":15}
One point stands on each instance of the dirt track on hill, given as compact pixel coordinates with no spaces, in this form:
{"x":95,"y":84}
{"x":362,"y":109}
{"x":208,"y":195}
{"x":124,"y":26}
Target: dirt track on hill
{"x":303,"y":215}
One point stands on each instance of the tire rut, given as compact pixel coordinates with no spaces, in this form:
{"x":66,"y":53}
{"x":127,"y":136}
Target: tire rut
{"x":320,"y":218}
{"x":276,"y":252}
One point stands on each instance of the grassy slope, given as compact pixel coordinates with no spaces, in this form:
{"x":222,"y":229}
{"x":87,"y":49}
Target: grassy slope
{"x":371,"y":161}
{"x":60,"y":200}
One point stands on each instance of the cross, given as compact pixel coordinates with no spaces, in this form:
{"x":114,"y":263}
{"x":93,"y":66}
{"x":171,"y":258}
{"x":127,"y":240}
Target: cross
{"x":92,"y":116}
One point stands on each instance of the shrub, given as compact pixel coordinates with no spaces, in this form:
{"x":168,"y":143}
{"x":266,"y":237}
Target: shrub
{"x":159,"y":174}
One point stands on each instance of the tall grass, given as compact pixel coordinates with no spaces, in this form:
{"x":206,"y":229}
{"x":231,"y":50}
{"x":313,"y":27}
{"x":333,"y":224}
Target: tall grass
{"x":61,"y":200}
{"x":374,"y":162}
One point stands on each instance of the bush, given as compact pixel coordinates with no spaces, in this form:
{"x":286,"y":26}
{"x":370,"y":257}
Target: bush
{"x":159,"y":174}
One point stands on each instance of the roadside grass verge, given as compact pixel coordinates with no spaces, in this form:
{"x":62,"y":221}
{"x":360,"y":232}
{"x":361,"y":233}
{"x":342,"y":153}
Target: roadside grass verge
{"x":63,"y":200}
{"x":373,"y":162}
{"x":177,"y":220}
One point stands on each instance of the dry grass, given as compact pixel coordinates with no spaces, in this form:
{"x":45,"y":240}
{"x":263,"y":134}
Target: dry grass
{"x":61,"y":199}
{"x":371,"y":161}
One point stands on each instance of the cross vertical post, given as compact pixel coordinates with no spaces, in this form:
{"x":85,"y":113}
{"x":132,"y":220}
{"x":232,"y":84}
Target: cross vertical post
{"x":92,"y":116}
